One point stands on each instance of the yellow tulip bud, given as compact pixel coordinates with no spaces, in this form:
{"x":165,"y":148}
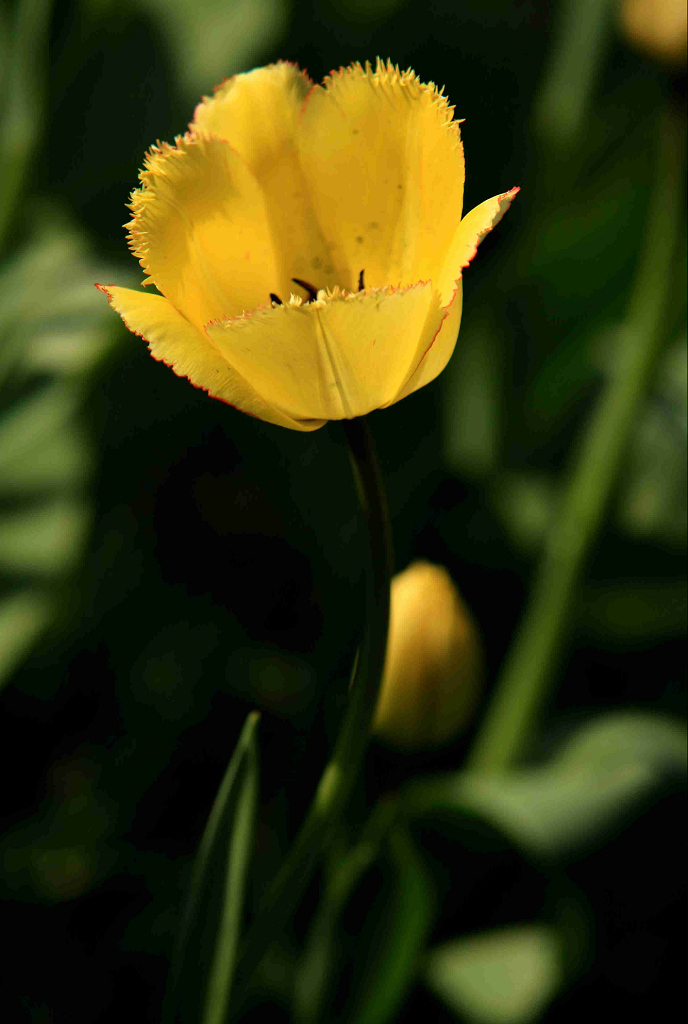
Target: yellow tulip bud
{"x":430,"y":684}
{"x":656,"y":26}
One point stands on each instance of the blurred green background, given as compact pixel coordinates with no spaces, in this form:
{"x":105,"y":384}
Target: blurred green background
{"x":167,"y":564}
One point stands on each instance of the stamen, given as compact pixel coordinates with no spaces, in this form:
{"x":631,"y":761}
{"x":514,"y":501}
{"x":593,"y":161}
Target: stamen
{"x":312,"y":292}
{"x":276,"y":299}
{"x":361,"y":285}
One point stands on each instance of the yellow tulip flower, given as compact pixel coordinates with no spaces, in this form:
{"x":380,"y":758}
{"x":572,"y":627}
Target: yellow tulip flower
{"x":307,"y":243}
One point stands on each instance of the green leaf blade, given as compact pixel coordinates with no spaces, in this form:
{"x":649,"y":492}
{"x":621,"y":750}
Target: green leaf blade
{"x":200,"y":986}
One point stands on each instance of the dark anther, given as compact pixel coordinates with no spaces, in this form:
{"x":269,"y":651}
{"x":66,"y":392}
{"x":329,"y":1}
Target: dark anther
{"x":361,"y":285}
{"x":312,"y":292}
{"x":276,"y":299}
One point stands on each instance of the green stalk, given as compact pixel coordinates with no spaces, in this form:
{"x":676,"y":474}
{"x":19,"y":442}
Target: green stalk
{"x":313,"y":975}
{"x":527,"y":675}
{"x":342,"y":770}
{"x":580,"y":39}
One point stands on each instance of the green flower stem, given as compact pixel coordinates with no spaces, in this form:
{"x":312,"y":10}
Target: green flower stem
{"x":511,"y":718}
{"x":342,"y":770}
{"x":346,"y":871}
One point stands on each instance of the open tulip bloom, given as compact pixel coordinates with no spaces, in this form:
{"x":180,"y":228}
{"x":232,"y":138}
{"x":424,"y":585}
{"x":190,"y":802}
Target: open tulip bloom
{"x":307,"y":243}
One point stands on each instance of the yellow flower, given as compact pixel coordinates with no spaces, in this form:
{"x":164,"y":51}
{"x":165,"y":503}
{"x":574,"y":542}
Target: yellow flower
{"x":657,"y":26}
{"x":308,"y":243}
{"x":430,"y":684}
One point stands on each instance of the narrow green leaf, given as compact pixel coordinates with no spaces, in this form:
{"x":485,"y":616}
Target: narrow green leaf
{"x":202,"y":970}
{"x":500,"y":977}
{"x":238,"y":855}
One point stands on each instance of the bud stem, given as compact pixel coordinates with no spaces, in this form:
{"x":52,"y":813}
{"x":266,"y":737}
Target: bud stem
{"x":343,"y":768}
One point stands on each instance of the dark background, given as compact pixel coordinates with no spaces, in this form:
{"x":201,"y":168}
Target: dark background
{"x":221,"y":569}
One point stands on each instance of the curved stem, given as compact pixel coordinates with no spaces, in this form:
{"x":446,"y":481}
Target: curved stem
{"x":342,"y":770}
{"x":510,"y":720}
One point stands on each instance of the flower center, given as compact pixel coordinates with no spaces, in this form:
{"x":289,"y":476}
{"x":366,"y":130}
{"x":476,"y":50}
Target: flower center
{"x":312,"y":290}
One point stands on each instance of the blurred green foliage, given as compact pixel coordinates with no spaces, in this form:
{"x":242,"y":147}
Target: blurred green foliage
{"x":215,"y":39}
{"x":167,"y":564}
{"x":557,"y":807}
{"x":504,"y":977}
{"x":54,"y":332}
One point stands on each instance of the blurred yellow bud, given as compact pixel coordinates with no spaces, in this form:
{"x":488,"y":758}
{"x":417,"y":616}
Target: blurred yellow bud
{"x":430,"y":684}
{"x":657,"y":27}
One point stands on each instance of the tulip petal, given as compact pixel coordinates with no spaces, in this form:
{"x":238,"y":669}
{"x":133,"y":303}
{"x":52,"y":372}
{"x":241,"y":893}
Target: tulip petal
{"x":258,"y":114}
{"x":338,"y":357}
{"x":473,"y":228}
{"x":470,"y":233}
{"x":201,"y":231}
{"x":384,"y":163}
{"x":175,"y":341}
{"x":433,"y":358}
